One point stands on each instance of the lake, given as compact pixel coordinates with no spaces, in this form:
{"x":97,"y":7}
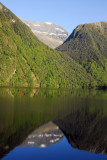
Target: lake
{"x":53,"y":124}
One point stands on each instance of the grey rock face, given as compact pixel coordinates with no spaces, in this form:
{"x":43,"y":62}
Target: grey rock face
{"x":1,"y":6}
{"x":49,"y":33}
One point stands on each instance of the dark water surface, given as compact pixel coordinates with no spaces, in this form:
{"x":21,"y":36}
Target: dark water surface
{"x":53,"y":124}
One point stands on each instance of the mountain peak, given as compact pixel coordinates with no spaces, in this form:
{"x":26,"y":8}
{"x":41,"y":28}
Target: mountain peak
{"x":85,"y":28}
{"x":26,"y":61}
{"x":49,"y":23}
{"x":87,"y":45}
{"x":48,"y":32}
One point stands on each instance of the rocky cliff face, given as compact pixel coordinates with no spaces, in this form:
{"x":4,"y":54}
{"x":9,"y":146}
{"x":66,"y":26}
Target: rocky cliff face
{"x":49,"y":33}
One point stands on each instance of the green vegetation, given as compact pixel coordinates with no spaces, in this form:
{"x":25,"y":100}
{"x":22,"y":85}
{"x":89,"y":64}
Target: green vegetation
{"x":25,"y":61}
{"x":87,"y":45}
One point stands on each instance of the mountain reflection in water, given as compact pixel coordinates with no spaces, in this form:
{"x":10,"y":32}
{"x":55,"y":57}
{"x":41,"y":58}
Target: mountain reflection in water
{"x":40,"y":118}
{"x":44,"y":136}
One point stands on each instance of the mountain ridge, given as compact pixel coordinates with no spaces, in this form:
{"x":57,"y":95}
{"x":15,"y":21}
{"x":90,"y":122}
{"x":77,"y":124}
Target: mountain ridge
{"x":26,"y":61}
{"x":87,"y":45}
{"x":49,"y":33}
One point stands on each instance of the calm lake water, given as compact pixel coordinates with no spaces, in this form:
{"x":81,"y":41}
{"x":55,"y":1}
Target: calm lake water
{"x":53,"y":124}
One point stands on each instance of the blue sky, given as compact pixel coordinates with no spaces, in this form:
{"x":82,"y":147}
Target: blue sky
{"x":66,"y":13}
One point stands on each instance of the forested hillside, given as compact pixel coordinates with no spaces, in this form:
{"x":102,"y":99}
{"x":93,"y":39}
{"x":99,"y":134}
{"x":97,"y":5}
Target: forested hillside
{"x":87,"y":45}
{"x":25,"y":61}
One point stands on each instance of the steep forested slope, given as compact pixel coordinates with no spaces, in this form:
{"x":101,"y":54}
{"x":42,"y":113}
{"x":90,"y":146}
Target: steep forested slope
{"x":87,"y":45}
{"x":25,"y":61}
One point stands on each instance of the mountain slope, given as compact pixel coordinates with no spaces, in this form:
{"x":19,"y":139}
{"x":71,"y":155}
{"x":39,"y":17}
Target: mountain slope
{"x":87,"y":45}
{"x":49,"y":33}
{"x":25,"y":61}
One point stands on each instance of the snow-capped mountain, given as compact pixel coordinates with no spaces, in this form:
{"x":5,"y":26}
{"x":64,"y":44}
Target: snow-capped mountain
{"x":49,"y":33}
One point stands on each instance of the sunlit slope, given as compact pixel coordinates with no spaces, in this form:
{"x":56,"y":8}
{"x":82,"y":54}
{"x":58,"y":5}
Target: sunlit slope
{"x":87,"y":45}
{"x":25,"y":61}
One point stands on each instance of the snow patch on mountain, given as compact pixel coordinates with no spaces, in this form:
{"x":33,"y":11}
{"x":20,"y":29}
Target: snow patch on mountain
{"x":48,"y":23}
{"x":47,"y":32}
{"x":36,"y":25}
{"x":60,"y":29}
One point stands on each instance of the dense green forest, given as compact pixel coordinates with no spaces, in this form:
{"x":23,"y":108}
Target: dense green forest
{"x":87,"y":45}
{"x":25,"y":61}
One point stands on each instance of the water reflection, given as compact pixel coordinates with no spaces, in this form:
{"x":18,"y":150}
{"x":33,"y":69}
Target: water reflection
{"x":81,"y":116}
{"x":44,"y":136}
{"x":86,"y":129}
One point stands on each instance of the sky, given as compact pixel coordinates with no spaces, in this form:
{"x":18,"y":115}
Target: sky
{"x":65,"y":13}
